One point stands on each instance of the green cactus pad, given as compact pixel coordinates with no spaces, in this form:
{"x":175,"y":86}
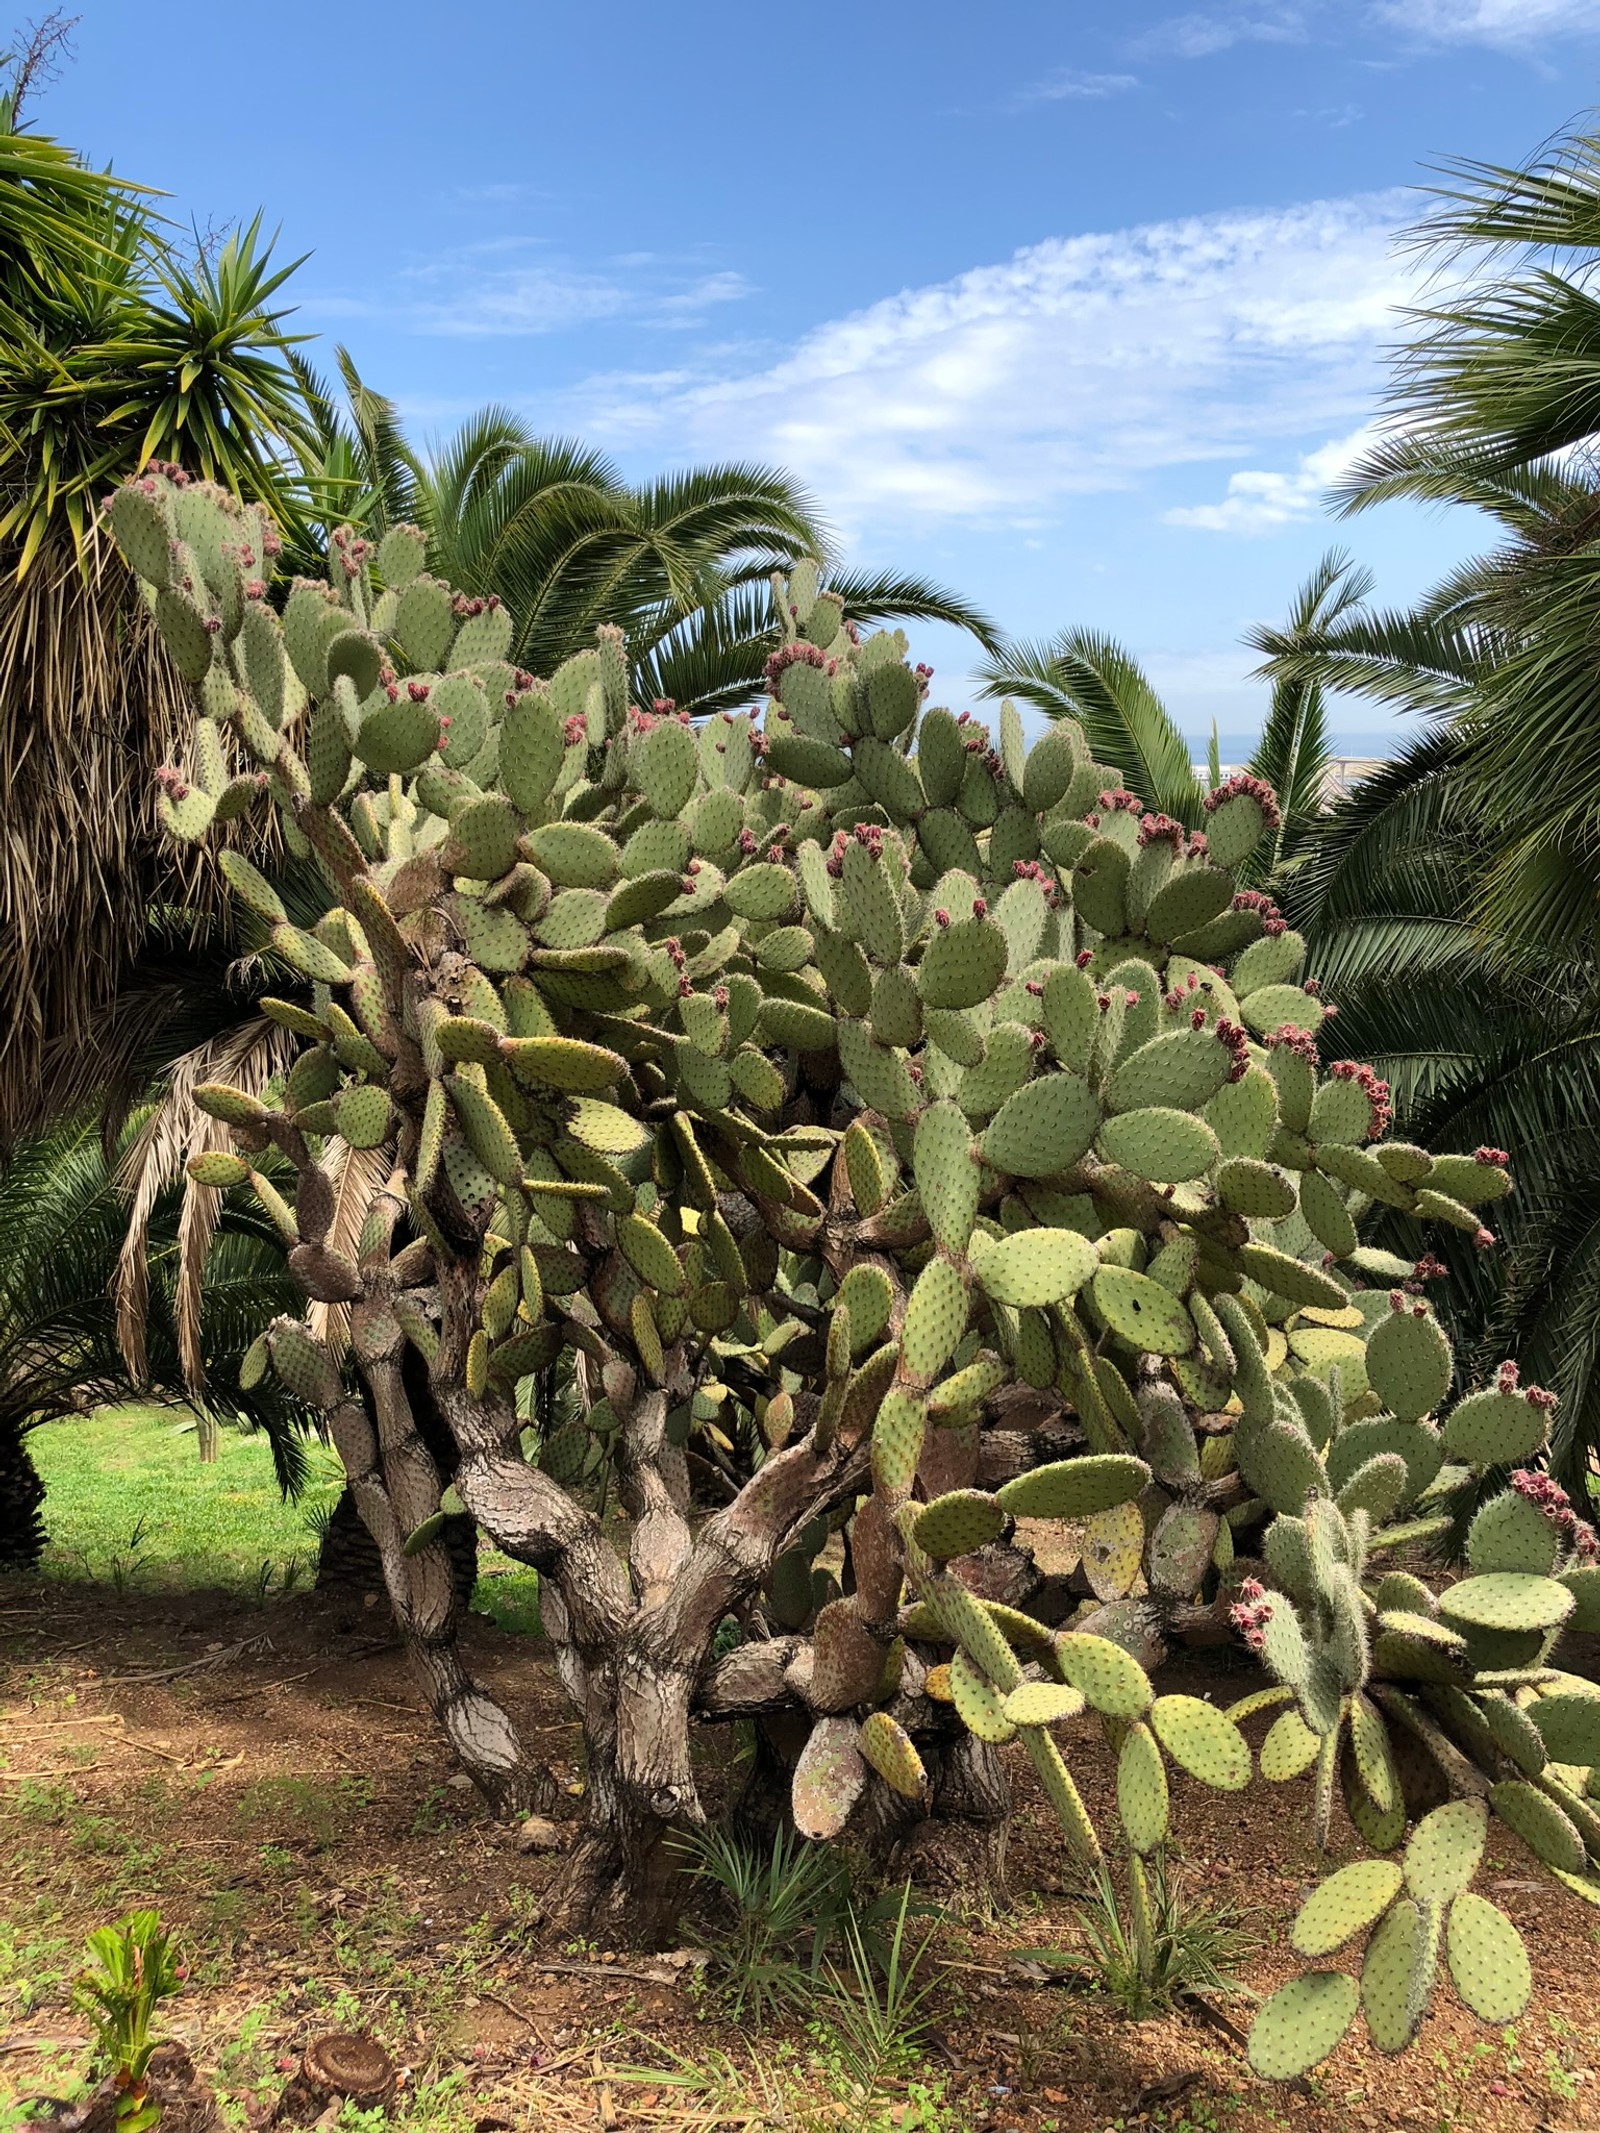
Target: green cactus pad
{"x":1282,"y":1465}
{"x":1256,"y":1189}
{"x":1408,"y":1363}
{"x":1509,"y":1533}
{"x":1488,"y":1963}
{"x":1180,"y":1071}
{"x":888,"y":1749}
{"x":1378,"y":1488}
{"x":362,"y":1116}
{"x":1100,"y":887}
{"x":1289,"y":1749}
{"x":1109,"y":1678}
{"x":304,"y":1365}
{"x":936,"y":1318}
{"x":1044,"y":1128}
{"x":963,"y":963}
{"x":1379,"y":1436}
{"x":1304,"y":2020}
{"x":1506,"y":1600}
{"x":867,"y":1294}
{"x":1042,"y":1703}
{"x":944,"y":1164}
{"x":1166,"y":1147}
{"x":1035,"y":1267}
{"x":1075,"y":1488}
{"x":1570,"y":1727}
{"x":897,"y":1440}
{"x":959,"y":1523}
{"x":1496,"y":1428}
{"x":1540,"y":1823}
{"x":1146,"y":1315}
{"x":1203,"y":1740}
{"x":1369,"y":1740}
{"x":1444,"y":1851}
{"x":979,"y":1704}
{"x":1142,"y":1799}
{"x":1291,"y":1278}
{"x":1398,"y":1972}
{"x":1346,"y":1904}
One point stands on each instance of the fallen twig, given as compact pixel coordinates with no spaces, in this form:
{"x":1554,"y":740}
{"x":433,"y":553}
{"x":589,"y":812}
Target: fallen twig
{"x":247,"y":1647}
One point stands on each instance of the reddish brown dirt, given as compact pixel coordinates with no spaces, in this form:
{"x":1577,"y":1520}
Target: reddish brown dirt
{"x":290,"y":1809}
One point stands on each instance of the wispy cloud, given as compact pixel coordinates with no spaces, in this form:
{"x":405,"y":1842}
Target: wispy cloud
{"x":1079,"y":365}
{"x":1503,"y":23}
{"x":1071,"y":85}
{"x":1263,"y":501}
{"x":494,"y":288}
{"x":1198,"y":35}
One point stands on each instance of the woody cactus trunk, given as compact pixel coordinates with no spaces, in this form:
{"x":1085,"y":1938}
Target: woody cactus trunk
{"x":833,"y":1089}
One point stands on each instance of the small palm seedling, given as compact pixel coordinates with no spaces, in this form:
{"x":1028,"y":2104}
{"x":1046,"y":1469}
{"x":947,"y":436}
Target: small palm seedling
{"x":785,"y":1904}
{"x":880,"y":2009}
{"x":131,"y":1970}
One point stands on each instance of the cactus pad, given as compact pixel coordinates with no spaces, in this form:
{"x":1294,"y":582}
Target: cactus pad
{"x":1289,"y":1749}
{"x":1035,"y":1267}
{"x":1301,"y":2023}
{"x":1398,"y":1972}
{"x":1408,"y":1363}
{"x":1142,"y":1789}
{"x":1042,"y":1703}
{"x":1108,"y":1677}
{"x":1203,"y":1740}
{"x":1075,"y":1488}
{"x":889,"y":1750}
{"x":1142,"y":1312}
{"x":1506,"y":1600}
{"x":1488,"y":1963}
{"x":1540,"y":1823}
{"x":1346,"y":1904}
{"x":959,"y":1523}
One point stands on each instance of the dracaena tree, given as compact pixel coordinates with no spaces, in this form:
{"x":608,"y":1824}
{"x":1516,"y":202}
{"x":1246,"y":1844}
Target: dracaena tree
{"x":815,"y":1080}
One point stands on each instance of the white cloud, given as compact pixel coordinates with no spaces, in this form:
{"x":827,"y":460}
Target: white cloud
{"x":1491,"y":22}
{"x":1069,"y":84}
{"x":1262,"y":501}
{"x":1081,"y":364}
{"x":1197,"y":36}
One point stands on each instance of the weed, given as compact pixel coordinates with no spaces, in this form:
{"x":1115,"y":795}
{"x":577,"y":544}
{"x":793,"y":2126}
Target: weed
{"x":1183,"y":1945}
{"x":880,"y":2009}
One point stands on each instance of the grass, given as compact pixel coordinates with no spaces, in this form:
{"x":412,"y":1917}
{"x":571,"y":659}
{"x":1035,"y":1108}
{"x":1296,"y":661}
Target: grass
{"x":128,"y":1503}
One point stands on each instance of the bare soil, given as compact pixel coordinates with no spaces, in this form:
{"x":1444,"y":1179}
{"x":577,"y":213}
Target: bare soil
{"x":283,"y":1799}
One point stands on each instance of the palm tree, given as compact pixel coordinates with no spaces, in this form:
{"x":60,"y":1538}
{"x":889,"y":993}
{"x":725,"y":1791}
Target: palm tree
{"x":681,"y":564}
{"x":1453,"y":904}
{"x":1088,"y":677}
{"x":114,"y":348}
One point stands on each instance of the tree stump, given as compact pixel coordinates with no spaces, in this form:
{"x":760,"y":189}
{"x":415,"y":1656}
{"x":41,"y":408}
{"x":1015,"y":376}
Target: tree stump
{"x":337,"y":2069}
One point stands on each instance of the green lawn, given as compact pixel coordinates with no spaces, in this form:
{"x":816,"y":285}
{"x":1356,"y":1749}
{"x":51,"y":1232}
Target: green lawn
{"x":127,"y":1502}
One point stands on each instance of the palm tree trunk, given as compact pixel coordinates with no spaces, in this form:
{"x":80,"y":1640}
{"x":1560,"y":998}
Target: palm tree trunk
{"x":22,"y":1534}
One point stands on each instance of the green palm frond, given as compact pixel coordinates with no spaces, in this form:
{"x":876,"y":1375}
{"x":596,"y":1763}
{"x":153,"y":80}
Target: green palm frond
{"x":1084,"y":675}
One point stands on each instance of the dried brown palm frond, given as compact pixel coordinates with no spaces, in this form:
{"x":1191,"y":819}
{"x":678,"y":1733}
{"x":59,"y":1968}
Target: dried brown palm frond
{"x":356,"y":1175}
{"x":90,"y":706}
{"x":175,"y":1131}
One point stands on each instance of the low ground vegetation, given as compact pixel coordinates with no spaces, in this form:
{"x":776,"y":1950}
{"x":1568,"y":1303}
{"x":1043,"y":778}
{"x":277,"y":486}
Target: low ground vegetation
{"x":307,"y":1895}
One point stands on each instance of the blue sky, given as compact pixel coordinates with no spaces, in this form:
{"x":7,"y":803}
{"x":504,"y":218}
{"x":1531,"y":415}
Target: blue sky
{"x":1075,"y":306}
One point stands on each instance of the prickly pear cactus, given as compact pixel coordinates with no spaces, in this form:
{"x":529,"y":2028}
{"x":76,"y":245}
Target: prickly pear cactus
{"x":1429,"y":1706}
{"x":826,"y":1079}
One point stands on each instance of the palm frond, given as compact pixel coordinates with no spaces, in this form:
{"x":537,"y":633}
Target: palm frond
{"x":1091,"y":678}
